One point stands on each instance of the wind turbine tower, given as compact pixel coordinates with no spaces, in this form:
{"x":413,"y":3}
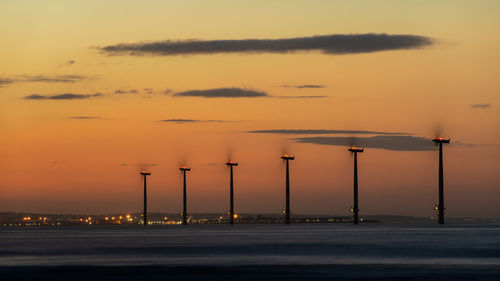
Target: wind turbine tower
{"x":440,"y":207}
{"x":355,"y":208}
{"x":184,"y":198}
{"x":287,"y":159}
{"x":145,"y":210}
{"x":231,"y":164}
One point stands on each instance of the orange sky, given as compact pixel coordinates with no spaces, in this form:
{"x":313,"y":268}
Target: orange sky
{"x":52,"y":161}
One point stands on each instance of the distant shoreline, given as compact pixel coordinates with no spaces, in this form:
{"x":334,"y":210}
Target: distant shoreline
{"x":41,"y":219}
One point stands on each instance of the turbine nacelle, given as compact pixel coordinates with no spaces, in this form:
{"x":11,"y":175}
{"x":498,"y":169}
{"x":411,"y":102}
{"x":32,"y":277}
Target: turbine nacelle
{"x":441,"y":140}
{"x":287,"y":157}
{"x":356,"y":149}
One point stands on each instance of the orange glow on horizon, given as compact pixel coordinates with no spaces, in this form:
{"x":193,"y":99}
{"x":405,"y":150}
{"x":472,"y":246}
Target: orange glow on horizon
{"x":81,"y":154}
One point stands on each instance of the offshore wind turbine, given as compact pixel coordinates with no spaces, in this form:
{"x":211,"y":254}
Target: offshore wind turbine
{"x":355,"y":208}
{"x":287,"y":158}
{"x":440,"y":207}
{"x":184,"y":169}
{"x":145,"y":210}
{"x":231,"y":164}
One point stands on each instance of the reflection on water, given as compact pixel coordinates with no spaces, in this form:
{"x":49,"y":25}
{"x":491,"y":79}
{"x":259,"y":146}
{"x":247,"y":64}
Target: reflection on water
{"x":468,"y":247}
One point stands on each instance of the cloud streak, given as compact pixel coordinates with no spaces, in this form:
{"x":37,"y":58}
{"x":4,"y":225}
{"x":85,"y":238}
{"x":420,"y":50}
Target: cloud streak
{"x":42,"y":79}
{"x":51,"y":78}
{"x":84,"y":117}
{"x":307,"y":86}
{"x":190,"y":121}
{"x":336,"y":44}
{"x":481,"y":105}
{"x":148,"y":91}
{"x":323,"y":132}
{"x":396,"y":143}
{"x":301,"y":97}
{"x":5,"y":81}
{"x":66,"y":96}
{"x":222,"y":93}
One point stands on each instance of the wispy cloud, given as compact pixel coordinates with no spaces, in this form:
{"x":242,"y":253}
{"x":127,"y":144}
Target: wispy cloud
{"x":67,"y":63}
{"x":301,"y":97}
{"x":51,"y":78}
{"x":190,"y":121}
{"x":328,"y":44}
{"x":307,"y":86}
{"x":66,"y":96}
{"x":148,"y":91}
{"x":398,"y":143}
{"x":73,"y":96}
{"x":42,"y":79}
{"x":84,"y":117}
{"x":222,"y":93}
{"x":5,"y":81}
{"x":481,"y":105}
{"x":324,"y":132}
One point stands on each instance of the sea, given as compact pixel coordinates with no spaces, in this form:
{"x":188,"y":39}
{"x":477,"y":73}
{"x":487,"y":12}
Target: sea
{"x":310,"y":252}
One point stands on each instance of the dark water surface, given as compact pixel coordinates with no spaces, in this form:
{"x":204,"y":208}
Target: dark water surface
{"x":252,"y":252}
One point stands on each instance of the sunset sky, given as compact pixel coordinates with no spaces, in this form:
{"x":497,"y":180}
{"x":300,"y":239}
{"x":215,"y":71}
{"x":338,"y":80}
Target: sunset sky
{"x":91,"y":92}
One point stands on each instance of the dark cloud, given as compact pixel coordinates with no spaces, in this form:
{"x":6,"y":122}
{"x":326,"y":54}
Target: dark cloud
{"x":123,"y":164}
{"x":309,"y":86}
{"x":62,"y":96}
{"x":188,"y":121}
{"x":222,"y":93}
{"x":84,"y":117}
{"x":327,"y":44}
{"x":323,"y":132}
{"x":167,"y":92}
{"x":481,"y":105}
{"x":5,"y":81}
{"x":301,"y":97}
{"x":42,"y":78}
{"x":35,"y":97}
{"x":398,"y":143}
{"x":133,"y":91}
{"x":70,"y":62}
{"x":52,"y":78}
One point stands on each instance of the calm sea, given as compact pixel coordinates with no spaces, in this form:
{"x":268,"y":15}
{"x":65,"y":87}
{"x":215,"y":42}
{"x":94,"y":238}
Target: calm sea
{"x":252,"y":252}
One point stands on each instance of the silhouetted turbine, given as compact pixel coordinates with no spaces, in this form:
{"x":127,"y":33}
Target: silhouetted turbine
{"x":231,"y":164}
{"x":287,"y":158}
{"x":440,"y":206}
{"x":355,"y":208}
{"x":145,"y":210}
{"x":184,"y":198}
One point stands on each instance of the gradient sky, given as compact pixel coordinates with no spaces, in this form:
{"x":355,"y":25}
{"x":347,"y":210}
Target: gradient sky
{"x":79,"y":121}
